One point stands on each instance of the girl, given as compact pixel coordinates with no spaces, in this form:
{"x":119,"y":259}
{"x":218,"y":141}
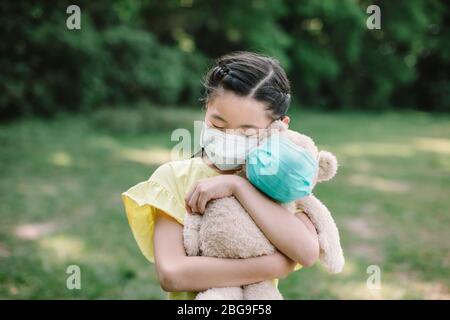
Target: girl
{"x":243,"y":92}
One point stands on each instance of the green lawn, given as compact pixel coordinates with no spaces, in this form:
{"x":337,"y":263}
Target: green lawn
{"x":60,"y":204}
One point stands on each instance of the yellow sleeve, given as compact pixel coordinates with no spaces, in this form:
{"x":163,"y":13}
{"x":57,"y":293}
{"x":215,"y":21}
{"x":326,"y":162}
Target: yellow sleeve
{"x":144,"y":199}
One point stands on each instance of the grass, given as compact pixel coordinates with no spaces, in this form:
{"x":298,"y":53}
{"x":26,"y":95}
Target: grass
{"x":60,"y":204}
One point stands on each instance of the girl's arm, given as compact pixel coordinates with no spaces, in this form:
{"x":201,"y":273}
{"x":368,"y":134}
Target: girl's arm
{"x":294,"y":235}
{"x":178,"y":272}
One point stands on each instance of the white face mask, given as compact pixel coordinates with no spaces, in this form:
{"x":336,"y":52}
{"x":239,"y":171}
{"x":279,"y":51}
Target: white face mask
{"x":226,"y":151}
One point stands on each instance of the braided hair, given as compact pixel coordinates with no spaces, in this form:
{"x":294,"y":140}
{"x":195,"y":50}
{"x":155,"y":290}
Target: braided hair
{"x":250,"y":75}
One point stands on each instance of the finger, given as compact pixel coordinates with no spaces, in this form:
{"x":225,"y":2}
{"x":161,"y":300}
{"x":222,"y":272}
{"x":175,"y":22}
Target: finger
{"x":190,"y":192}
{"x":188,"y":209}
{"x":188,"y":197}
{"x":193,"y":201}
{"x":202,"y":201}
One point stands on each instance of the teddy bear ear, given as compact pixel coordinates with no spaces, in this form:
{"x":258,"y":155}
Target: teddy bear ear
{"x":327,"y":166}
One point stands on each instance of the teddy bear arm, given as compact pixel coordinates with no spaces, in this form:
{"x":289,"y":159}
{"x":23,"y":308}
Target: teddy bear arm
{"x":331,"y":254}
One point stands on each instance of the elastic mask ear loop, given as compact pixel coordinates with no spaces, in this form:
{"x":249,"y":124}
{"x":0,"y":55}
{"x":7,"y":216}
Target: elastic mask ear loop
{"x":196,"y":154}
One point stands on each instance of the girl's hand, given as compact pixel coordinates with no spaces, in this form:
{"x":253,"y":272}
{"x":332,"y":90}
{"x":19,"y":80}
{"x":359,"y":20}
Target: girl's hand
{"x":208,"y":189}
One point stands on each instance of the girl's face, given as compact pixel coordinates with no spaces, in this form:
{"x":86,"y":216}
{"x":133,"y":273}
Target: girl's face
{"x":243,"y":115}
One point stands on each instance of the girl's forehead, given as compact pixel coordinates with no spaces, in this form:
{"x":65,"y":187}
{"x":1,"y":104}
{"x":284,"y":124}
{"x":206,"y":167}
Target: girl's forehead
{"x":238,"y":112}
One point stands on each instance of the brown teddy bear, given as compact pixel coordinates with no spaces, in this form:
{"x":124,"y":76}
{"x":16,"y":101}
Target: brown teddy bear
{"x":226,"y":230}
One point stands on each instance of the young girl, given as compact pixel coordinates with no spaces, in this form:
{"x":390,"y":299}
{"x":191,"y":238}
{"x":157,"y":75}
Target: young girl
{"x":243,"y":92}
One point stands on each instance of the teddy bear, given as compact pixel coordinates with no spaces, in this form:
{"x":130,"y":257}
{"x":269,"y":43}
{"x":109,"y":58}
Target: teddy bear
{"x":225,"y":230}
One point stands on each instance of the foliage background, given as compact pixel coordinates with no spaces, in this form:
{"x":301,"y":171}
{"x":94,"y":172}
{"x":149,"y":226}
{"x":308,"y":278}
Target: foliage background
{"x":128,"y":51}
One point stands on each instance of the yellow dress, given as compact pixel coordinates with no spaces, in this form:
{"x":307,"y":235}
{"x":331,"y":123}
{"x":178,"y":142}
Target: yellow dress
{"x":165,"y":191}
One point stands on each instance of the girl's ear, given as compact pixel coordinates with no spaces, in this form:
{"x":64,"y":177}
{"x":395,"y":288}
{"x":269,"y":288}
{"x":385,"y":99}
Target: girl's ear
{"x":286,"y":120}
{"x":327,"y":166}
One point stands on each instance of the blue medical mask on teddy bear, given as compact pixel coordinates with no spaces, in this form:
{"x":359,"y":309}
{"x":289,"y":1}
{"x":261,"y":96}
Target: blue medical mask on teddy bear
{"x":281,"y":169}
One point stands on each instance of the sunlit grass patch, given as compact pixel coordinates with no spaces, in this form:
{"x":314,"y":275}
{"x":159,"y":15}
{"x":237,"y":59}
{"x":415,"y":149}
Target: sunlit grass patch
{"x":60,"y":203}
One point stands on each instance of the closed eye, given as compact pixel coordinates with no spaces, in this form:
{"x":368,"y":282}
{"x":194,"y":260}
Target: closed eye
{"x":250,"y":132}
{"x":218,"y":127}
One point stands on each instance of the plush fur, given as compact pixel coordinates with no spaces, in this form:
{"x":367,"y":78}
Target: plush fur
{"x":226,"y":230}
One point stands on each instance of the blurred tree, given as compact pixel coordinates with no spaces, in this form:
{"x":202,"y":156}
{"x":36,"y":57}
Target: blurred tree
{"x":128,"y":51}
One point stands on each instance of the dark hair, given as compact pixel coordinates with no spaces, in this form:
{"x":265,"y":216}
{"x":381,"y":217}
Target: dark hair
{"x":250,"y":75}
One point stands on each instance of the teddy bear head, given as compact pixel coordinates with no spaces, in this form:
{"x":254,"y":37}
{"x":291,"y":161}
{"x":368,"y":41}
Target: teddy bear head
{"x":328,"y":164}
